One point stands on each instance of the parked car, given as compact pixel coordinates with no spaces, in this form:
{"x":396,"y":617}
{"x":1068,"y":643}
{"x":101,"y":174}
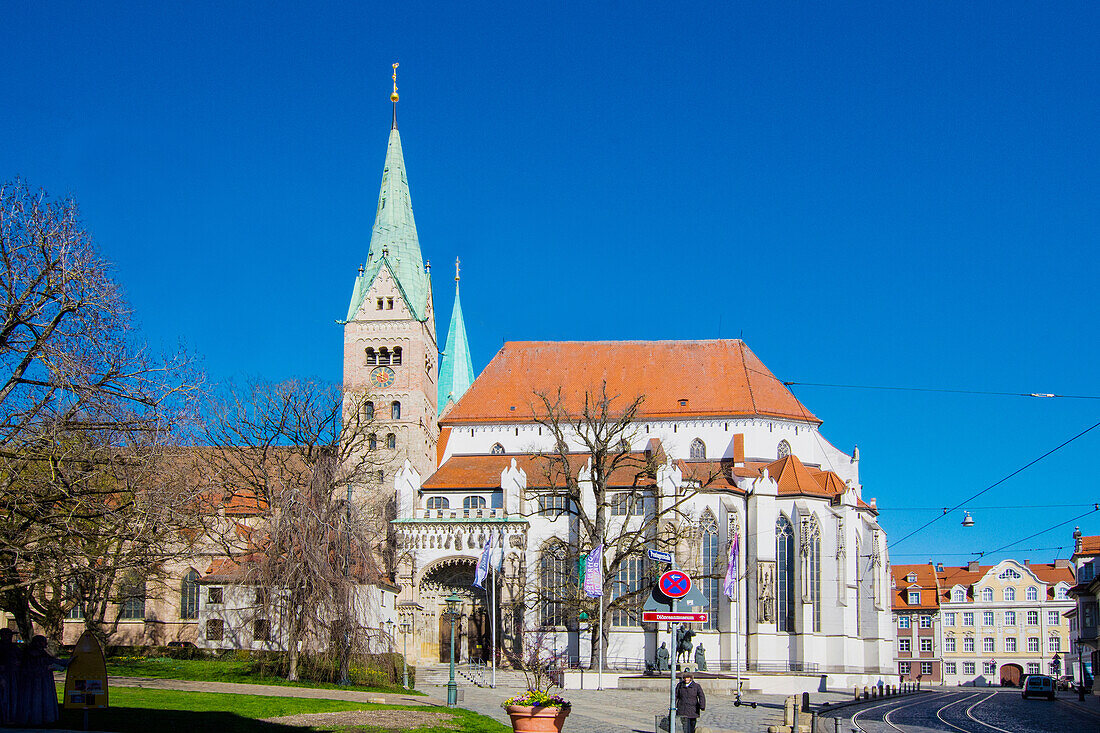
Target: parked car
{"x":1038,"y":685}
{"x":1065,"y":682}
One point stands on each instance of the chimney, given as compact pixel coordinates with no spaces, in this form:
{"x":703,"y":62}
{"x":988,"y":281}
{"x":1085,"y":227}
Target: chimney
{"x":972,"y":566}
{"x":739,"y":449}
{"x":939,"y":567}
{"x":1026,"y":561}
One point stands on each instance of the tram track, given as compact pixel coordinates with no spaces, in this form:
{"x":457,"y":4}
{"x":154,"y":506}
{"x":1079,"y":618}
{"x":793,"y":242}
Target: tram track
{"x":964,"y":712}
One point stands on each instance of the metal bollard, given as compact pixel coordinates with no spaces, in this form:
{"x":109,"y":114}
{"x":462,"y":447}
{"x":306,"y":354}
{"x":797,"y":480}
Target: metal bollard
{"x":855,"y":693}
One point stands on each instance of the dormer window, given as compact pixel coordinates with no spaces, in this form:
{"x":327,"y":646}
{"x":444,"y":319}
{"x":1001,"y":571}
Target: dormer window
{"x":914,"y":598}
{"x":958,"y":595}
{"x":911,"y":578}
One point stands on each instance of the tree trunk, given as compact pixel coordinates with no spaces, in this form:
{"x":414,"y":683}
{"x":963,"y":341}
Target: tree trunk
{"x":17,"y":602}
{"x":292,"y":649}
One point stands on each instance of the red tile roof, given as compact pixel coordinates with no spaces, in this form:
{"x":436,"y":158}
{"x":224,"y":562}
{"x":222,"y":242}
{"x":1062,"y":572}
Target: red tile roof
{"x":926,"y":581}
{"x":1089,"y":545}
{"x":1047,"y":573}
{"x":483,"y":472}
{"x":679,"y":379}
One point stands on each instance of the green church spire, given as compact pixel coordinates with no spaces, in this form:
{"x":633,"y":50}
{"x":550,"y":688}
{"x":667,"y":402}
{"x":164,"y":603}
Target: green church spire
{"x":394,"y":243}
{"x":456,"y":370}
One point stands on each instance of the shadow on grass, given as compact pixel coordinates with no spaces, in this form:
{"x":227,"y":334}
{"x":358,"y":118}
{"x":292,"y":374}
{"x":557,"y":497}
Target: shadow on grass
{"x":145,"y":720}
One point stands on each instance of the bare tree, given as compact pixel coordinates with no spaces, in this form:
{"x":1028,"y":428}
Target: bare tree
{"x":302,"y":453}
{"x":612,"y":495}
{"x":86,"y":411}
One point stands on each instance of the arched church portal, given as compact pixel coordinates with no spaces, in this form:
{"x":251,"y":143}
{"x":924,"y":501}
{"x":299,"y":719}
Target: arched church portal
{"x":472,"y":627}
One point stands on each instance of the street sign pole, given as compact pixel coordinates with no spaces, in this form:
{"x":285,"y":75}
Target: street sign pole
{"x":672,"y":677}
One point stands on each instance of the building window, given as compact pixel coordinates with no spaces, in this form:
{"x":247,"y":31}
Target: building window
{"x":1010,"y":618}
{"x":438,"y":502}
{"x":989,"y":644}
{"x":784,"y":553}
{"x":368,"y":411}
{"x":261,"y":630}
{"x":1010,"y":644}
{"x":949,"y":668}
{"x":1061,"y":594}
{"x":911,"y":578}
{"x":958,"y":595}
{"x":969,"y":669}
{"x":968,"y":643}
{"x":396,"y":361}
{"x":496,"y":450}
{"x":1054,"y":644}
{"x":987,"y":618}
{"x":214,"y":596}
{"x":698,"y":449}
{"x":372,"y":442}
{"x":554,"y":584}
{"x":987,"y":594}
{"x":384,"y":356}
{"x":968,"y":618}
{"x":1033,"y":644}
{"x":473,"y":502}
{"x":189,"y":596}
{"x":903,"y":622}
{"x":710,"y":567}
{"x":914,"y":598}
{"x":379,"y":301}
{"x":814,"y":558}
{"x":215,"y":629}
{"x":783,"y":449}
{"x":1032,"y":593}
{"x":903,"y":667}
{"x":395,"y":410}
{"x":391,"y":441}
{"x":926,"y":644}
{"x":131,"y":595}
{"x":949,"y":619}
{"x":1010,"y":594}
{"x":926,"y":622}
{"x":989,"y":667}
{"x":627,"y":504}
{"x":1009,"y":574}
{"x":926,"y":668}
{"x":628,"y":581}
{"x":905,"y":645}
{"x":949,"y":644}
{"x":1033,"y":668}
{"x":74,"y":596}
{"x":1052,"y":618}
{"x":372,"y":356}
{"x":1032,"y":618}
{"x":553,"y":505}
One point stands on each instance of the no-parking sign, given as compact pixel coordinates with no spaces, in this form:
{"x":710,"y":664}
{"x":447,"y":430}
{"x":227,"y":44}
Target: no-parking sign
{"x":675,"y":584}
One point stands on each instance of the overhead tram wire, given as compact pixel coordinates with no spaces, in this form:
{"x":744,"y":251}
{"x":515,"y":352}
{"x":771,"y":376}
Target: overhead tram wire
{"x":1096,"y":508}
{"x":968,"y":554}
{"x":995,"y":484}
{"x":1003,"y":506}
{"x":1040,"y":395}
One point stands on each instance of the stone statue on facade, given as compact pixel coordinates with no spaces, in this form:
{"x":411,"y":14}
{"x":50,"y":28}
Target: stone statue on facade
{"x":764,"y":587}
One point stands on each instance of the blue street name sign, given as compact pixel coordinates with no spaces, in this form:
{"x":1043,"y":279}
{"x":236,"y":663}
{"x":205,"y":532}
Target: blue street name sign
{"x":658,"y":556}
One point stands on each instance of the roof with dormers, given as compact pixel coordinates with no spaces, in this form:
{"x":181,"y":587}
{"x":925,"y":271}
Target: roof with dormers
{"x":394,"y":243}
{"x":1049,"y":574}
{"x":926,"y":581}
{"x":678,"y":379}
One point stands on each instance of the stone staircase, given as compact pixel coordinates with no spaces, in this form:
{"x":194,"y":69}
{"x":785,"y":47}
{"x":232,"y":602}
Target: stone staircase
{"x":465,"y":676}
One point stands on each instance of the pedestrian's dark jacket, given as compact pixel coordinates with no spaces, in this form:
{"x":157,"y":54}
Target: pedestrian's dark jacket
{"x":690,"y":700}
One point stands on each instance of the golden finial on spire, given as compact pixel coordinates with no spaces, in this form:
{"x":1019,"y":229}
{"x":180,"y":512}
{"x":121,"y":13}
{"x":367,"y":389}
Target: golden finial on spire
{"x":393,"y":97}
{"x":456,"y":269}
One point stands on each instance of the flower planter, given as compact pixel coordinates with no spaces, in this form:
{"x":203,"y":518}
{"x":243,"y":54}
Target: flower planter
{"x":528,"y":719}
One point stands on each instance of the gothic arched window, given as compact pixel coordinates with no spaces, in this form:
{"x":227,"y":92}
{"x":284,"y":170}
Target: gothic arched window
{"x":391,"y":441}
{"x":710,"y":567}
{"x":783,"y":449}
{"x":554,"y":585}
{"x":698,"y":449}
{"x":189,"y":596}
{"x":628,"y":581}
{"x":396,"y":361}
{"x":438,"y":502}
{"x":814,"y":569}
{"x":784,"y":556}
{"x":395,"y":410}
{"x":372,"y":357}
{"x":131,"y":594}
{"x":859,"y":588}
{"x":497,"y":449}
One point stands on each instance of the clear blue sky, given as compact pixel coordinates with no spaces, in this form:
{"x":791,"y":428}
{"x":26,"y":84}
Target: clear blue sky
{"x":870,"y":193}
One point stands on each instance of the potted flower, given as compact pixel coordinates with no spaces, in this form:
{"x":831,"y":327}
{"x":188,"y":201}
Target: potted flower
{"x":536,"y":710}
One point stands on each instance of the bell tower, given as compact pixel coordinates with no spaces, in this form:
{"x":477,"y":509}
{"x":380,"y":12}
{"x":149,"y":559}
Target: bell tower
{"x":390,"y":349}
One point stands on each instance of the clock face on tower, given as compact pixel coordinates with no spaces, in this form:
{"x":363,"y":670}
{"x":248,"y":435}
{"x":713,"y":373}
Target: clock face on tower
{"x":381,"y":377}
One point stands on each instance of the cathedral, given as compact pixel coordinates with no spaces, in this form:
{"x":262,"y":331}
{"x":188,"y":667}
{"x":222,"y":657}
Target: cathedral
{"x":811,"y":594}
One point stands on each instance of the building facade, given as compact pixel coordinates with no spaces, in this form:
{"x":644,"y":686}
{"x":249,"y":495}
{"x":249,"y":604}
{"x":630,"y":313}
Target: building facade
{"x":1084,"y":617}
{"x":1000,"y":623}
{"x":916,"y":603}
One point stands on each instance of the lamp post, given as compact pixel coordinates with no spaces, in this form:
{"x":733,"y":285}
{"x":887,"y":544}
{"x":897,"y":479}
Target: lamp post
{"x":405,"y":627}
{"x":389,"y":633}
{"x":453,"y":604}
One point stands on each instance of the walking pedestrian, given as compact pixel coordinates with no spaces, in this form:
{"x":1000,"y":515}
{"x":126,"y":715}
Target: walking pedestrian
{"x":690,"y":701}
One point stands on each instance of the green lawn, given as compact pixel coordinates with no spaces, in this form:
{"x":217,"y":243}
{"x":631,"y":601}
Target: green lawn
{"x":135,"y":710}
{"x":229,"y":669}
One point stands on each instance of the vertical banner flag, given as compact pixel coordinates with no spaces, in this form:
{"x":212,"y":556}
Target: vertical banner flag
{"x":730,"y":586}
{"x":483,"y":563}
{"x":593,"y":573}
